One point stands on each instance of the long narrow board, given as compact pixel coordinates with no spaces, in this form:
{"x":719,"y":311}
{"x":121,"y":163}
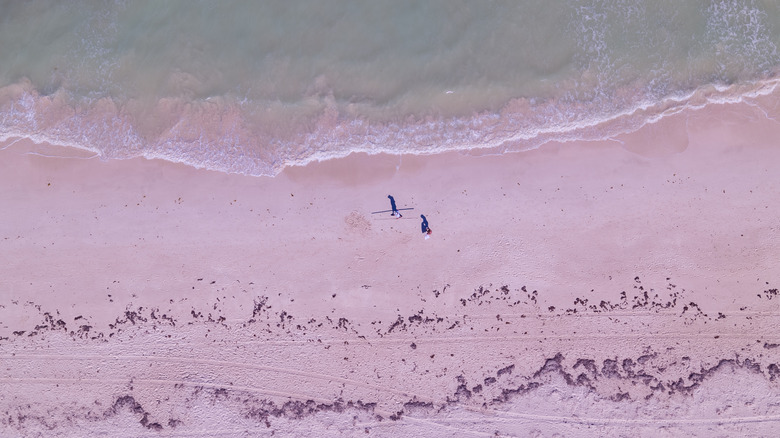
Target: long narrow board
{"x":396,"y":219}
{"x":388,"y":211}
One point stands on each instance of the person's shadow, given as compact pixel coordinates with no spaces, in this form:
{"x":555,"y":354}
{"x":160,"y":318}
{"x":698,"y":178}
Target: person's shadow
{"x":424,"y":225}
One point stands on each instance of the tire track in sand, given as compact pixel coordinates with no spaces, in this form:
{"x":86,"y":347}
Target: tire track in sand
{"x":219,"y":363}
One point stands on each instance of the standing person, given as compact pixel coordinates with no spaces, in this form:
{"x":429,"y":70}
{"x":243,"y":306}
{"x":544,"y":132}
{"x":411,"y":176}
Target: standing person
{"x":424,"y":227}
{"x":395,"y":209}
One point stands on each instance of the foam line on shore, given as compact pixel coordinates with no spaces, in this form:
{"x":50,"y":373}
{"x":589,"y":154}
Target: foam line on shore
{"x":476,"y":134}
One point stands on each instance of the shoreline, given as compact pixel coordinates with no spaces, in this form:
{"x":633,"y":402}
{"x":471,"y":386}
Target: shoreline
{"x":210,"y":296}
{"x":358,"y":136}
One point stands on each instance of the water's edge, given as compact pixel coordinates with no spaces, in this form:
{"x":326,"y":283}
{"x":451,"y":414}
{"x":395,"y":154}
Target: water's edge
{"x":108,"y":132}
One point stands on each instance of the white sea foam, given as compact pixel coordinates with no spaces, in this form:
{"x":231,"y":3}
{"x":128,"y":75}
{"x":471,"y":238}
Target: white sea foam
{"x":503,"y":132}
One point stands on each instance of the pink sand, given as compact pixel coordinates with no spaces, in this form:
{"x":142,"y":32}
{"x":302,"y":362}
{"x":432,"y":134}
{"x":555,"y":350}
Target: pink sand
{"x":147,"y":298}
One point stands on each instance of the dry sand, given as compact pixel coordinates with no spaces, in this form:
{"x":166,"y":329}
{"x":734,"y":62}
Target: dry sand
{"x":627,"y":287}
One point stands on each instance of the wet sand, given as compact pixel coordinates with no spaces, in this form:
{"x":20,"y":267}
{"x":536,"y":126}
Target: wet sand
{"x":600,"y":289}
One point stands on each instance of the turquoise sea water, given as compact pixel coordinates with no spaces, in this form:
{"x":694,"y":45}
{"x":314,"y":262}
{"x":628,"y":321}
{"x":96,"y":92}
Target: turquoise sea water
{"x":251,"y":87}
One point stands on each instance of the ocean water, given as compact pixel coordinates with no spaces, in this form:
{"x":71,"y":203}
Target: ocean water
{"x":253,"y":87}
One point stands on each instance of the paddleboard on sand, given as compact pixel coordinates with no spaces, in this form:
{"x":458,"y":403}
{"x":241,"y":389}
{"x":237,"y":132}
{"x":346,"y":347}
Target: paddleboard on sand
{"x":395,"y":218}
{"x":388,"y":211}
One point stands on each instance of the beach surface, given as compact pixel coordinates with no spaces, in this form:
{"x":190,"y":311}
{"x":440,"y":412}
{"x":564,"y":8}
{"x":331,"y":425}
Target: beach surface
{"x":613,"y":288}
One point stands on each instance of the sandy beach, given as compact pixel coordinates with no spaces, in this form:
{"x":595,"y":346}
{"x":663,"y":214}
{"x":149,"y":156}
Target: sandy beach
{"x":614,"y":288}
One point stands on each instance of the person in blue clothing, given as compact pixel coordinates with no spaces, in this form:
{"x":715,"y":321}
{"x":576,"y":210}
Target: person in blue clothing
{"x":426,"y":230}
{"x":395,"y":212}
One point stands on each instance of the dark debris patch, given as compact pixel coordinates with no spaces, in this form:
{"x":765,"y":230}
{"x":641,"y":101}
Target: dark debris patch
{"x":129,"y":403}
{"x":264,"y":410}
